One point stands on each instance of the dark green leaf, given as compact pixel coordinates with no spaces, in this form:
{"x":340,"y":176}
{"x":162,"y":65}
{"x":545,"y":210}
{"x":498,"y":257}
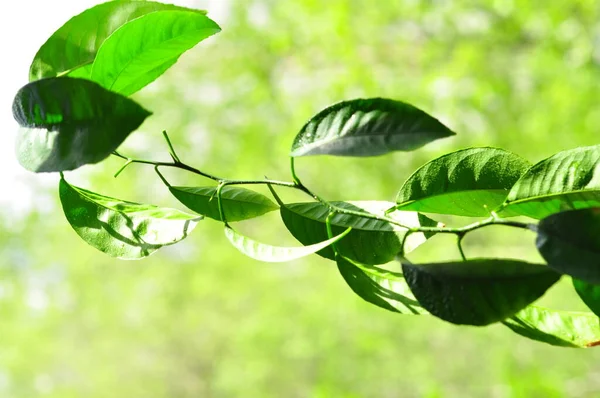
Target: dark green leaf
{"x":72,"y":48}
{"x":70,"y":122}
{"x":559,"y":328}
{"x":143,"y":49}
{"x":367,"y":127}
{"x":470,"y":182}
{"x":122,"y":229}
{"x":275,"y":254}
{"x":570,"y":242}
{"x":478,"y":292}
{"x":377,"y":286}
{"x":238,"y":203}
{"x":589,"y":293}
{"x":370,"y":241}
{"x":568,"y":180}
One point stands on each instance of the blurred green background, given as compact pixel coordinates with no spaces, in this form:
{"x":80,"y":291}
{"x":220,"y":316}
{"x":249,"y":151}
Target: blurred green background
{"x":201,"y":320}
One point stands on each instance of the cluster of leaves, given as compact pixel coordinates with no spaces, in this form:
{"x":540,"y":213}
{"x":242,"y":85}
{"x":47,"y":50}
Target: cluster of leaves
{"x":76,"y":111}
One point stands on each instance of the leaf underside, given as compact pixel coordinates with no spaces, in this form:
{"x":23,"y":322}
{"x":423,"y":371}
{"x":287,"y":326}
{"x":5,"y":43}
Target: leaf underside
{"x":480,"y":291}
{"x":122,"y":229}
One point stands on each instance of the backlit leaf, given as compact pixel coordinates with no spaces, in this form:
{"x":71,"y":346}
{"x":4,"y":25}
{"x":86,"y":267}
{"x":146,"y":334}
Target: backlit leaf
{"x":122,"y":229}
{"x":470,"y":182}
{"x":69,"y":122}
{"x":559,"y":328}
{"x":143,"y":49}
{"x":367,"y":127}
{"x":477,"y":292}
{"x":72,"y":48}
{"x":275,"y":254}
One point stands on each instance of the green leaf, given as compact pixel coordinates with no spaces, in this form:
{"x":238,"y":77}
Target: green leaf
{"x":370,"y":241}
{"x":559,"y":328}
{"x":69,"y":122}
{"x":72,"y":48}
{"x":383,"y":288}
{"x":122,"y":229}
{"x":471,"y":182}
{"x":589,"y":293}
{"x":275,"y":254}
{"x":143,"y":49}
{"x":367,"y":127}
{"x":570,"y":242}
{"x":568,"y":180}
{"x":478,"y":292}
{"x":238,"y":203}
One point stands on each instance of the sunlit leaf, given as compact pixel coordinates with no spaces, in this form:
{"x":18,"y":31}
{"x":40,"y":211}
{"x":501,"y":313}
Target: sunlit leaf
{"x":589,"y":293}
{"x":238,"y":203}
{"x":69,"y":122}
{"x":370,"y":241}
{"x":480,"y":291}
{"x":570,"y":242}
{"x":470,"y":182}
{"x":367,"y":127}
{"x":143,"y":49}
{"x":122,"y":229}
{"x":380,"y":287}
{"x":559,"y":328}
{"x":72,"y":48}
{"x":568,"y":180}
{"x":275,"y":254}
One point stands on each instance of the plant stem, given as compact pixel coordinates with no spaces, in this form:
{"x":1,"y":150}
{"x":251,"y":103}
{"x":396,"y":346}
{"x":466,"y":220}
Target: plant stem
{"x":297,"y":184}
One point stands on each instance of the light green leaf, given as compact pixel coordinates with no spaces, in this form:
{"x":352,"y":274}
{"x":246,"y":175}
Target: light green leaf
{"x":559,"y":328}
{"x":380,"y":287}
{"x":275,"y":254}
{"x":68,"y":123}
{"x":570,"y":242}
{"x":480,"y":291}
{"x":568,"y":180}
{"x":143,"y":49}
{"x":589,"y":293}
{"x":471,"y":182}
{"x":72,"y":48}
{"x":238,"y":203}
{"x":370,"y":242}
{"x":367,"y":127}
{"x":122,"y":229}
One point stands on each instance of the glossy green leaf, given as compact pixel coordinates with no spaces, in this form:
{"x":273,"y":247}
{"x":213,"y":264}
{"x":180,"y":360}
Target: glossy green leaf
{"x":275,"y":254}
{"x":370,"y":242}
{"x":69,"y":122}
{"x":559,"y":328}
{"x":367,"y":127}
{"x":72,"y":48}
{"x":380,"y":287}
{"x":238,"y":203}
{"x":570,"y":242}
{"x":568,"y":180}
{"x":478,"y":292}
{"x":589,"y":293}
{"x":470,"y":182}
{"x":143,"y":49}
{"x":122,"y":229}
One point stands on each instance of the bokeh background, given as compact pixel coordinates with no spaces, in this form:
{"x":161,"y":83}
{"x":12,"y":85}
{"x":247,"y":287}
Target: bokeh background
{"x":201,"y":320}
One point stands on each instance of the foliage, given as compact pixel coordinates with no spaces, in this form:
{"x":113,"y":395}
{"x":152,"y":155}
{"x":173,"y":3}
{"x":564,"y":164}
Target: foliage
{"x":75,"y":112}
